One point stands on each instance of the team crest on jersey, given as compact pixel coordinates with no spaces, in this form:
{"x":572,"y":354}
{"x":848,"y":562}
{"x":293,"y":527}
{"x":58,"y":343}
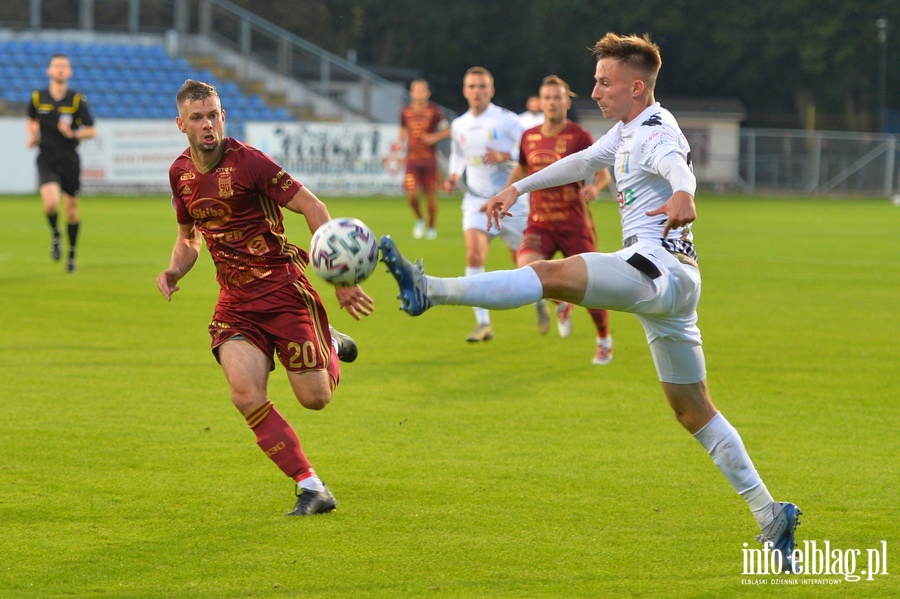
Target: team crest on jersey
{"x":561,"y":145}
{"x":225,"y":190}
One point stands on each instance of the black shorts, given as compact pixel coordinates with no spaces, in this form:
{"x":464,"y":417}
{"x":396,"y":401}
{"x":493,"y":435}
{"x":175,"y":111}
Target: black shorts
{"x":64,"y":169}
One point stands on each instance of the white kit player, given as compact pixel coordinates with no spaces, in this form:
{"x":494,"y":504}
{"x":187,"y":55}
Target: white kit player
{"x":484,"y":147}
{"x":655,"y":276}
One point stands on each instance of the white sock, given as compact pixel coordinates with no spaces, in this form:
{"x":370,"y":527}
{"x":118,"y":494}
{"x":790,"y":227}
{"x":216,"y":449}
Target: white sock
{"x":311,"y":483}
{"x":482,"y":316}
{"x":497,"y":290}
{"x":605,"y":341}
{"x":727,"y":450}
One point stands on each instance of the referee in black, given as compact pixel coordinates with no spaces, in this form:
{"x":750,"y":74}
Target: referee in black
{"x":58,"y":119}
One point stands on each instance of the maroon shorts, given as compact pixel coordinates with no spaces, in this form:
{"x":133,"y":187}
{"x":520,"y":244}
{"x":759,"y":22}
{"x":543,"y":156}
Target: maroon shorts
{"x":421,"y":175}
{"x":289,"y":321}
{"x":539,"y":238}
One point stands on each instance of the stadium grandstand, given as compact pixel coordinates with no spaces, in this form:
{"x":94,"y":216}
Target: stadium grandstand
{"x":121,"y":81}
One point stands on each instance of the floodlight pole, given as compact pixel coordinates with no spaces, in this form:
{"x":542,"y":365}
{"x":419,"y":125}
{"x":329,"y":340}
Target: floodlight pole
{"x":881,"y":24}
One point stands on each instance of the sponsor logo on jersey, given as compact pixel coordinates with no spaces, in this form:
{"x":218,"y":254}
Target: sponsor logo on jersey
{"x":654,"y":120}
{"x":212,"y":213}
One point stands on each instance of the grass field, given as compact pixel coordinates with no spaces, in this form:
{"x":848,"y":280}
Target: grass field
{"x":508,"y":469}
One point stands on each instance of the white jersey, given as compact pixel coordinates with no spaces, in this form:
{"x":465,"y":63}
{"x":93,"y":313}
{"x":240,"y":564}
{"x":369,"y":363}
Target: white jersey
{"x":635,"y":151}
{"x":529,"y":120}
{"x":472,"y":136}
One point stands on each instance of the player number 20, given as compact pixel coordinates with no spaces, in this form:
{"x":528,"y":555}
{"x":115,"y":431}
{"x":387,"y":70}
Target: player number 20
{"x":302,"y":355}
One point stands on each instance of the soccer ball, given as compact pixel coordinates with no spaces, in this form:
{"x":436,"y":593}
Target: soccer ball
{"x":343,"y":251}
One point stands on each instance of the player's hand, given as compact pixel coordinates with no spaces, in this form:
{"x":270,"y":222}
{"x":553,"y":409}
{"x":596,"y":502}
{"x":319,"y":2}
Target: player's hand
{"x":66,"y":129}
{"x":356,"y":301}
{"x":495,"y":157}
{"x":450,"y":183}
{"x":498,"y":206}
{"x":679,"y":209}
{"x":166,"y":282}
{"x":589,"y":193}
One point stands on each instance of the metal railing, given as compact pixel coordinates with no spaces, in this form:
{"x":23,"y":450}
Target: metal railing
{"x":287,"y":54}
{"x":818,"y":162}
{"x":342,"y":81}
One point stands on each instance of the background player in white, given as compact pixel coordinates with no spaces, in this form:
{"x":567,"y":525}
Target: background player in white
{"x":655,"y":275}
{"x":533,"y":115}
{"x":485,"y":146}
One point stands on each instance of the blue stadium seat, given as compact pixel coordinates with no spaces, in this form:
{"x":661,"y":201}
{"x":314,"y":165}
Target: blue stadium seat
{"x":105,"y":72}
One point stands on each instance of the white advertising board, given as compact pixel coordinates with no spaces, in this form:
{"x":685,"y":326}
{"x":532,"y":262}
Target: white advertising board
{"x":130,"y":156}
{"x":133,"y":156}
{"x":335,"y":158}
{"x":126,"y":156}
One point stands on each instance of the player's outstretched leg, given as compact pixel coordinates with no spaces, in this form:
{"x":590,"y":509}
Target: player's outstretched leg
{"x":781,"y":532}
{"x":410,"y":278}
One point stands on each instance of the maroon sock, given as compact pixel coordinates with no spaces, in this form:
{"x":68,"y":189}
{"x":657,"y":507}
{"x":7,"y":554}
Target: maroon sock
{"x":601,"y":321}
{"x":279,"y":441}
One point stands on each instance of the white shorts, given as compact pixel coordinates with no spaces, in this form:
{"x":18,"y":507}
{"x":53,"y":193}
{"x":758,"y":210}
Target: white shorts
{"x":666,"y":305}
{"x":513,"y":226}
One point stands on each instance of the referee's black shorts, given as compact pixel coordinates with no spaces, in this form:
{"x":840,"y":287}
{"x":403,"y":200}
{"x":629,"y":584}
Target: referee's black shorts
{"x":64,"y":169}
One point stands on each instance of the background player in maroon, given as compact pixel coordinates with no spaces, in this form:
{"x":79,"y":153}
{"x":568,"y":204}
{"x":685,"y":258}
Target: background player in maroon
{"x":422,"y":126}
{"x":232,"y":195}
{"x":559,"y":218}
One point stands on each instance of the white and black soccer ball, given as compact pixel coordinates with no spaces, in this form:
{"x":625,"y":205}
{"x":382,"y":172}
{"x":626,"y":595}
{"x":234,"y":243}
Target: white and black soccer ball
{"x":343,"y":251}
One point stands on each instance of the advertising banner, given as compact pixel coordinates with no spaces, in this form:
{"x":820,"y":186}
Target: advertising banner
{"x":335,"y":158}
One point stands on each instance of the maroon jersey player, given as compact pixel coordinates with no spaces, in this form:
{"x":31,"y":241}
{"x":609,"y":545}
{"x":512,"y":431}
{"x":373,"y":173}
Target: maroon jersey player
{"x":422,"y":125}
{"x":559,"y":218}
{"x":232,"y":196}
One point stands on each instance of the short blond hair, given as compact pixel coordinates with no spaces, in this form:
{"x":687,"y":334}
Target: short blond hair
{"x":635,"y":51}
{"x":479,"y":71}
{"x":554,"y":80}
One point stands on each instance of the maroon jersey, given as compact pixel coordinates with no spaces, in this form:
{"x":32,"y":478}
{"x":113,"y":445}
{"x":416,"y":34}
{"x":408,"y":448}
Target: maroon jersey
{"x":237,"y":207}
{"x":555,"y":204}
{"x":418,"y":123}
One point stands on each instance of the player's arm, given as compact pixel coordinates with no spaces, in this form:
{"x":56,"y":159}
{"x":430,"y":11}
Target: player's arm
{"x":80,"y":133}
{"x":601,"y":181}
{"x":679,"y":208}
{"x":34,"y":132}
{"x":457,"y":166}
{"x":85,"y":132}
{"x":306,"y":203}
{"x":356,"y":301}
{"x":437,"y":136}
{"x":184,"y":256}
{"x":517,"y":174}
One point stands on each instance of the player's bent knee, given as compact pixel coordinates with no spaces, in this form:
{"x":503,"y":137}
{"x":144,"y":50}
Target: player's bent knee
{"x":247,"y":402}
{"x":313,"y":389}
{"x":315,"y":399}
{"x":564,"y":280}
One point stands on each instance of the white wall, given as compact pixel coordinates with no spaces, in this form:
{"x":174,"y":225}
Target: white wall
{"x":18,"y":172}
{"x":125,"y":156}
{"x":131,"y":156}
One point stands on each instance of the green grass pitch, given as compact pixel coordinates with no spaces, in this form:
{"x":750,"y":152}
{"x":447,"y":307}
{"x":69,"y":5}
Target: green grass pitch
{"x":509,"y":469}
